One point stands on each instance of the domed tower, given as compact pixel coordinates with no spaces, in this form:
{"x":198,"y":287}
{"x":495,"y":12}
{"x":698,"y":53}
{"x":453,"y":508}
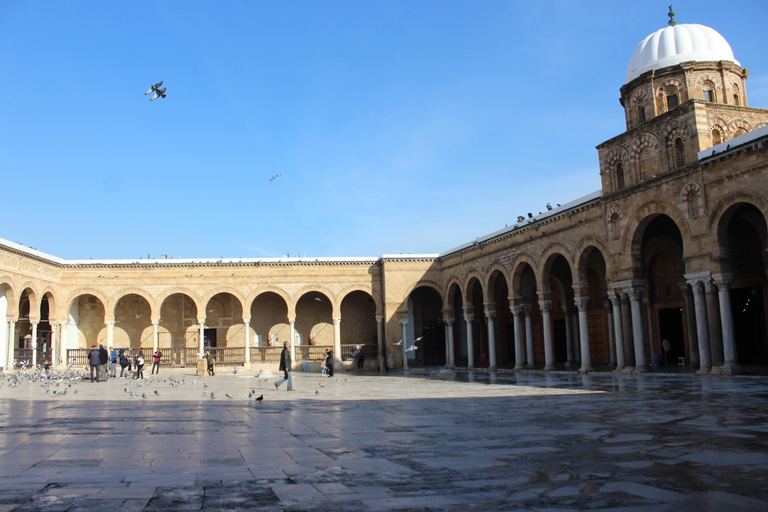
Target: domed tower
{"x":684,"y":92}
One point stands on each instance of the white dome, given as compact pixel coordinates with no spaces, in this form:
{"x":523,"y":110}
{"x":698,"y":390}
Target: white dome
{"x":676,"y":44}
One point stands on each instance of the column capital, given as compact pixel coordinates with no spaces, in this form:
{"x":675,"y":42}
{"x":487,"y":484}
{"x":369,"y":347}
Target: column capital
{"x":582,"y":304}
{"x":516,"y":310}
{"x":490,"y":308}
{"x":201,"y":321}
{"x":490,"y":315}
{"x":545,"y":305}
{"x":12,"y":319}
{"x":379,"y":318}
{"x":469,"y":317}
{"x":34,"y":321}
{"x":709,"y":286}
{"x":336,"y":320}
{"x":696,"y":284}
{"x":527,"y":309}
{"x":292,"y":319}
{"x":110,"y":323}
{"x":723,"y":281}
{"x":607,"y":305}
{"x":247,"y":320}
{"x":449,"y":321}
{"x":615,"y":298}
{"x":635,"y":293}
{"x":156,"y":322}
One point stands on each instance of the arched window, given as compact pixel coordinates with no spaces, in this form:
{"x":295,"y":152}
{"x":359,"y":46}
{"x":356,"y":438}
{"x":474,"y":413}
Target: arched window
{"x":615,"y":226}
{"x":693,"y":203}
{"x":679,"y":152}
{"x":672,"y":101}
{"x":709,"y":96}
{"x":641,"y":113}
{"x":736,"y":99}
{"x":619,"y":171}
{"x":717,"y":137}
{"x":739,"y":131}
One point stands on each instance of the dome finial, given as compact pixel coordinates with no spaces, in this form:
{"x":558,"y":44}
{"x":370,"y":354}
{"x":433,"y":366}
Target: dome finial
{"x":671,"y":14}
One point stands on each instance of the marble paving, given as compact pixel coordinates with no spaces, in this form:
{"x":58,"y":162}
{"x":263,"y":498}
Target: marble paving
{"x":473,"y":441}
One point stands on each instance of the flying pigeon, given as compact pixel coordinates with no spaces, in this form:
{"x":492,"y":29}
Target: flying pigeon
{"x":399,"y":343}
{"x":273,"y":178}
{"x":159,"y":93}
{"x":412,"y":348}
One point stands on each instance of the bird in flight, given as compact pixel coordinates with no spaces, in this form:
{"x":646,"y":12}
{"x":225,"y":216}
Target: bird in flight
{"x":157,"y":90}
{"x":273,"y":178}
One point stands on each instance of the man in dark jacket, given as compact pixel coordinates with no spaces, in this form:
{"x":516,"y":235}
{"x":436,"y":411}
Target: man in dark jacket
{"x":94,"y":359}
{"x":285,"y":367}
{"x":104,"y":358}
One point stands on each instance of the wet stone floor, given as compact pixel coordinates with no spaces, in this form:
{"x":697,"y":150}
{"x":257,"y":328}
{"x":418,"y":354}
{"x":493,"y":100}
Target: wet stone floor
{"x":473,"y":441}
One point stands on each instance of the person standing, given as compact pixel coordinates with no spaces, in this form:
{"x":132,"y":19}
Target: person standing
{"x":329,"y":363}
{"x":104,"y":357}
{"x":94,"y":359}
{"x":285,"y":367}
{"x":124,"y":363}
{"x":140,"y":365}
{"x":324,"y":365}
{"x":112,"y":362}
{"x":210,"y":363}
{"x":156,"y":362}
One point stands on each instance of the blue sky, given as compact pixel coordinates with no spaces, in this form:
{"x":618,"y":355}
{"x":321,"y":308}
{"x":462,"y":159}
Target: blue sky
{"x":398,"y":126}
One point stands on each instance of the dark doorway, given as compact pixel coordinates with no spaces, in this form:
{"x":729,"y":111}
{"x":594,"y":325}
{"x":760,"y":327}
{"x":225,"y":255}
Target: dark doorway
{"x":560,"y":340}
{"x":749,"y":325}
{"x":671,"y":328}
{"x":210,"y":338}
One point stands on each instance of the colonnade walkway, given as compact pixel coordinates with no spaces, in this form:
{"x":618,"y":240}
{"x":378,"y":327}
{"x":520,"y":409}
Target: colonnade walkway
{"x":472,"y":441}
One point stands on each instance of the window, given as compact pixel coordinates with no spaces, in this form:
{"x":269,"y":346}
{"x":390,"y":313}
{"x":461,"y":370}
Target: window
{"x":672,"y":101}
{"x":717,"y":137}
{"x":679,"y":152}
{"x":619,"y":176}
{"x":641,"y":113}
{"x":739,"y":131}
{"x":709,"y":96}
{"x":736,"y":99}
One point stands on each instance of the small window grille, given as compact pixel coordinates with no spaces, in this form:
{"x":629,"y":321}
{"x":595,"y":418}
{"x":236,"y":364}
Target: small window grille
{"x":679,"y":152}
{"x":619,"y":176}
{"x":672,"y":101}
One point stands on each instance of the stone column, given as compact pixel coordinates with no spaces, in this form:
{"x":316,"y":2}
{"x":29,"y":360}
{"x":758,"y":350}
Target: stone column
{"x":34,"y":323}
{"x":201,"y":323}
{"x":155,"y":334}
{"x":586,"y":359}
{"x":701,"y":325}
{"x":404,"y":342}
{"x":690,"y":323}
{"x":54,"y":340}
{"x":528,"y":335}
{"x":519,"y":349}
{"x":731,"y":360}
{"x":570,"y":349}
{"x":611,"y":340}
{"x":545,"y":304}
{"x":468,"y":317}
{"x":380,"y":340}
{"x":651,"y":334}
{"x":574,"y":335}
{"x":292,"y":321}
{"x":247,"y":323}
{"x":450,"y":361}
{"x":635,"y":294}
{"x":337,"y":344}
{"x":713,"y":321}
{"x":615,"y":299}
{"x":626,"y":324}
{"x":11,"y":345}
{"x":490,"y":314}
{"x":110,"y":333}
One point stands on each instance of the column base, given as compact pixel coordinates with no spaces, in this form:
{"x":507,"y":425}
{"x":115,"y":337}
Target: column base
{"x":492,"y":368}
{"x":704,"y":370}
{"x":618,"y":370}
{"x":642,"y":369}
{"x":571,"y":365}
{"x":586,"y":369}
{"x":519,"y":367}
{"x":628,"y":369}
{"x":730,"y":369}
{"x":548,"y":368}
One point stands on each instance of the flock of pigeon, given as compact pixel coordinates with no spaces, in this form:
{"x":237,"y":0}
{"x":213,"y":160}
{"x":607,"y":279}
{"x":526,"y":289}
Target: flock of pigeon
{"x":61,"y":382}
{"x":160,"y":93}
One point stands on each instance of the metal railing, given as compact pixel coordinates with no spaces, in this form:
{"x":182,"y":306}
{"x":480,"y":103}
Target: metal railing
{"x":351,"y":352}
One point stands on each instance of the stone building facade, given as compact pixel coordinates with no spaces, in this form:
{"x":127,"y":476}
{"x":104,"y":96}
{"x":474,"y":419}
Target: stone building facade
{"x":665,"y":264}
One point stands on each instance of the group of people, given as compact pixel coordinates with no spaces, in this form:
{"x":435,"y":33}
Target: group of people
{"x":104,"y":363}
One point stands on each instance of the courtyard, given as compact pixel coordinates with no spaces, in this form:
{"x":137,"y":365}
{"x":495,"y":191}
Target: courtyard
{"x":418,"y":441}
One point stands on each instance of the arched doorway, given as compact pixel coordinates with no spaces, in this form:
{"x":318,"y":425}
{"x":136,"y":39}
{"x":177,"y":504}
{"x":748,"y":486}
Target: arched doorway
{"x":456,"y":301}
{"x":133,"y":324}
{"x":504,"y":332}
{"x":594,"y":272}
{"x":666,"y":290}
{"x":524,"y":293}
{"x":314,"y":320}
{"x":425,"y":308}
{"x":358,"y":326}
{"x":86,"y":323}
{"x":743,"y":237}
{"x":179,"y":327}
{"x":478,"y":327}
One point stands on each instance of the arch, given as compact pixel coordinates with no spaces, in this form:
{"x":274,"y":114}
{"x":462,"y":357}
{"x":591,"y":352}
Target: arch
{"x":691,"y":196}
{"x":738,"y":125}
{"x":490,"y":274}
{"x":644,"y":152}
{"x":12,"y":302}
{"x":358,"y":288}
{"x":522,"y":262}
{"x":173,"y":291}
{"x":252,"y":296}
{"x":639,"y":221}
{"x":70,"y":299}
{"x":721,"y":208}
{"x":206,"y":298}
{"x":409,"y":290}
{"x":452,"y":284}
{"x":335,"y":304}
{"x":358,"y":319}
{"x":34,"y":302}
{"x":547,"y":257}
{"x":582,"y":254}
{"x":315,"y":317}
{"x":469,"y":276}
{"x":49,"y":291}
{"x":718,"y":134}
{"x":131,"y":290}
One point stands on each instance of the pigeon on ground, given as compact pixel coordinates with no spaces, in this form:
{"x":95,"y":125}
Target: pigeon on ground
{"x":250,"y":395}
{"x":144,"y":396}
{"x":212,"y":396}
{"x":158,"y":394}
{"x":228,"y":395}
{"x":260,"y":398}
{"x":317,"y":392}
